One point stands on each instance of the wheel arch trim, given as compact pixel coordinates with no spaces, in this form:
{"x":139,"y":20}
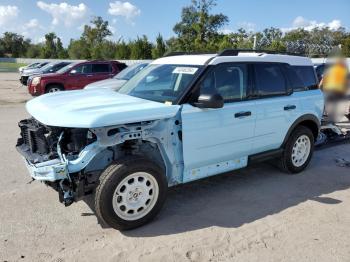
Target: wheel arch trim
{"x":308,"y":118}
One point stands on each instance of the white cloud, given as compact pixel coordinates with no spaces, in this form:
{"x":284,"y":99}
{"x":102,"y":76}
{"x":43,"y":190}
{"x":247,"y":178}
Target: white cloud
{"x":32,"y":24}
{"x":248,"y":26}
{"x":39,"y":39}
{"x":8,"y":13}
{"x":301,"y":22}
{"x":112,"y":29}
{"x":64,"y":13}
{"x":226,"y":31}
{"x":125,"y":9}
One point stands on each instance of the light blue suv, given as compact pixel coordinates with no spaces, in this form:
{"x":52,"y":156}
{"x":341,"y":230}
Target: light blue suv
{"x":182,"y":118}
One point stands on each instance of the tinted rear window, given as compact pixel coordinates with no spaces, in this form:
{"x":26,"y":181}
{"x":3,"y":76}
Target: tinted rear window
{"x":296,"y":83}
{"x":100,"y":68}
{"x":307,"y":74}
{"x":269,"y":80}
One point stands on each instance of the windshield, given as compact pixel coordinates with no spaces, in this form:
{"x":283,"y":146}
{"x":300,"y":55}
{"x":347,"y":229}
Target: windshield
{"x":130,"y":71}
{"x":161,"y":83}
{"x":33,"y":65}
{"x":47,"y":67}
{"x":66,"y":68}
{"x":54,"y":67}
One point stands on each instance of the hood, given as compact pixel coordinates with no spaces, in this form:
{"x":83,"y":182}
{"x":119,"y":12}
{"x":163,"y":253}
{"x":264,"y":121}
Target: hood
{"x":95,"y":108}
{"x":114,"y":84}
{"x":31,"y":71}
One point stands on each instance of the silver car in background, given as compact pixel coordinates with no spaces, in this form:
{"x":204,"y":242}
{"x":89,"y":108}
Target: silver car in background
{"x":120,"y":79}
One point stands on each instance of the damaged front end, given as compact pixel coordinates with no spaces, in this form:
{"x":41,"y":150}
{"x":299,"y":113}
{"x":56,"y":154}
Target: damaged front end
{"x":58,"y":156}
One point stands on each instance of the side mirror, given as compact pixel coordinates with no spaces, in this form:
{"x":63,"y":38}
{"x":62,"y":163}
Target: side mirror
{"x":210,"y":101}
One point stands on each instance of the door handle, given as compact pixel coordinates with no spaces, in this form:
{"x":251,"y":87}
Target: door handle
{"x":290,"y":107}
{"x":243,"y":114}
{"x":89,"y":75}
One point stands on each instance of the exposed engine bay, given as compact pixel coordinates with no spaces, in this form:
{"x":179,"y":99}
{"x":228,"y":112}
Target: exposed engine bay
{"x":39,"y":143}
{"x":70,"y":160}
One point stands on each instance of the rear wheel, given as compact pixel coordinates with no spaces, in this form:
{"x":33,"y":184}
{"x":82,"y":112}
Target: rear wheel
{"x":54,"y":88}
{"x":298,"y":150}
{"x":131,"y":193}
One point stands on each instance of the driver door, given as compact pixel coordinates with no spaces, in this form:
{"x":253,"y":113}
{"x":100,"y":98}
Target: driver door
{"x":219,"y":140}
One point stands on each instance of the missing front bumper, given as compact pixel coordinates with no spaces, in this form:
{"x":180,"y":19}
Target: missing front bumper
{"x":50,"y":171}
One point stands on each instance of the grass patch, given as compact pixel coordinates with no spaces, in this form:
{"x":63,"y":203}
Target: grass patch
{"x":10,"y":67}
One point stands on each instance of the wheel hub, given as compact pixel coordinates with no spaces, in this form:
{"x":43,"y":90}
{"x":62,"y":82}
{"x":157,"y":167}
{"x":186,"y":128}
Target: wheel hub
{"x":135,"y":196}
{"x":301,"y":151}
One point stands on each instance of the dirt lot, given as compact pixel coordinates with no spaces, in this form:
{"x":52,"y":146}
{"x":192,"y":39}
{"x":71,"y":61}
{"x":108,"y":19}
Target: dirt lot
{"x":257,"y":214}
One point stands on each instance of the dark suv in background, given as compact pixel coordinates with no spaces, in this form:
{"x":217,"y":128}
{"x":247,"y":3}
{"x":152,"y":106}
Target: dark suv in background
{"x":74,"y":76}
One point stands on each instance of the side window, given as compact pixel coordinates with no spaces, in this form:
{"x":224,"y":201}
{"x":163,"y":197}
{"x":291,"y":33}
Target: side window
{"x":296,"y":83}
{"x":307,"y":74}
{"x":100,"y":68}
{"x":269,"y":80}
{"x":83,"y":69}
{"x":229,"y":80}
{"x":121,"y":66}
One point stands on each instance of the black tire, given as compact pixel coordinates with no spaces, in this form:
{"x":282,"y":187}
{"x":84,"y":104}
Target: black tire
{"x":113,"y":176}
{"x":54,"y":88}
{"x":286,"y":162}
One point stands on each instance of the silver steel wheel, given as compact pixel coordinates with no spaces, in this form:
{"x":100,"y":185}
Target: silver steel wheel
{"x":135,"y":196}
{"x":54,"y":89}
{"x":301,"y":151}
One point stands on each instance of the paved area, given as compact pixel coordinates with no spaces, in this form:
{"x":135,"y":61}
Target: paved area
{"x":257,"y":214}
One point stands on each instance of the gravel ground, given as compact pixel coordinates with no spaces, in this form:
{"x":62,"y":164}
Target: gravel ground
{"x":256,"y":214}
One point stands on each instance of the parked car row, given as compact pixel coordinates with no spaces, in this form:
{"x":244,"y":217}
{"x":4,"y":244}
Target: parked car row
{"x":48,"y":68}
{"x":30,"y":66}
{"x":72,"y":76}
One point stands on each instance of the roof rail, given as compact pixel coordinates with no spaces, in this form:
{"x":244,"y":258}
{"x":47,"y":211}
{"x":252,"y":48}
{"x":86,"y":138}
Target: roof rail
{"x":178,"y":53}
{"x":235,"y":52}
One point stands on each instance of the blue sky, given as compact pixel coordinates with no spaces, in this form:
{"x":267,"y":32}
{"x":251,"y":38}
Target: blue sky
{"x":131,"y":18}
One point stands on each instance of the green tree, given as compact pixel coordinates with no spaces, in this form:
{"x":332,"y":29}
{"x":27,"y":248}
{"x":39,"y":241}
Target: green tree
{"x":34,"y":51}
{"x":97,"y":32}
{"x":105,"y":50}
{"x":160,"y":47}
{"x":122,"y":50}
{"x":13,"y":44}
{"x":141,"y":48}
{"x":78,"y":49}
{"x":61,"y":51}
{"x":346,"y":46}
{"x":197,"y":26}
{"x":49,"y":49}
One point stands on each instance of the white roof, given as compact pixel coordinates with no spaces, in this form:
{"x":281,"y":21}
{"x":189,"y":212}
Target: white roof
{"x":241,"y":57}
{"x":184,"y":60}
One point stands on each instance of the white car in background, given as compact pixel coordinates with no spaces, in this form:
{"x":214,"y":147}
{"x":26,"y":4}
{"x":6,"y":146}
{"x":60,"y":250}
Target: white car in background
{"x":30,"y":66}
{"x":120,"y":79}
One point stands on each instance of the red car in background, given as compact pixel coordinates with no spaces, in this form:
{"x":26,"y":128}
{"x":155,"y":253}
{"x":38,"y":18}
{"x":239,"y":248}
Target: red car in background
{"x":75,"y":76}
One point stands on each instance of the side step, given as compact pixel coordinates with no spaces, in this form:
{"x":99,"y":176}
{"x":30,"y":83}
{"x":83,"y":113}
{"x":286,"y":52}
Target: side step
{"x":265,"y":156}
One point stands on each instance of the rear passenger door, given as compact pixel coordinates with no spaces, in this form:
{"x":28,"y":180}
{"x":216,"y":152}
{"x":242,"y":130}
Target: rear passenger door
{"x":276,"y":108}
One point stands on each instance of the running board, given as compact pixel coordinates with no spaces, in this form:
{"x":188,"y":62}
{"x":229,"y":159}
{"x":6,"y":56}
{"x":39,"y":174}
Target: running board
{"x":261,"y":157}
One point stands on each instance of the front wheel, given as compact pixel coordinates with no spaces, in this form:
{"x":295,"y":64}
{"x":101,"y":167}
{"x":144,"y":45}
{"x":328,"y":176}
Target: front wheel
{"x":131,"y":193}
{"x":54,"y":89}
{"x":298,"y":150}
